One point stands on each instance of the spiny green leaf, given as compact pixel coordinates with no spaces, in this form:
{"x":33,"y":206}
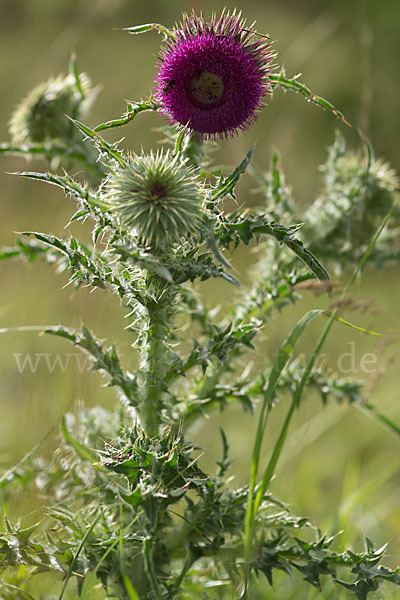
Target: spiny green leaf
{"x":48,"y":151}
{"x":234,"y":228}
{"x":104,"y":360}
{"x":292,"y":84}
{"x":110,"y":150}
{"x":73,"y":69}
{"x":66,"y":154}
{"x":136,"y":29}
{"x":50,"y":240}
{"x":192,"y":266}
{"x":29,"y":250}
{"x":227,"y":185}
{"x":273,"y":187}
{"x":225,"y":462}
{"x":309,"y":259}
{"x":65,"y":182}
{"x":89,"y":202}
{"x":88,"y":267}
{"x":145,"y":261}
{"x":134,"y":108}
{"x":212,"y":244}
{"x":82,"y":451}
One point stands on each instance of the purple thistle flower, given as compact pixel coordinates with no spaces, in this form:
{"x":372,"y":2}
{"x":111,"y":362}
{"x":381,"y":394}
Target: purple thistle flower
{"x":213,"y":77}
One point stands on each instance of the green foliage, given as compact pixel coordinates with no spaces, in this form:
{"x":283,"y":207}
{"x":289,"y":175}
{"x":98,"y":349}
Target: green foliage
{"x":134,"y":108}
{"x":104,"y":360}
{"x":41,"y":125}
{"x":293,"y":84}
{"x":130,"y":510}
{"x":42,"y":115}
{"x":359,"y":191}
{"x":131,"y":489}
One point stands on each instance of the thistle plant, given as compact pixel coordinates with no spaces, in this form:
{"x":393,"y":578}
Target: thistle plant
{"x":131,"y":513}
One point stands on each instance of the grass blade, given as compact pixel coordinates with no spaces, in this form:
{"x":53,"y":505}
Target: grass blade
{"x":282,"y":357}
{"x":372,"y":244}
{"x":22,"y":593}
{"x":90,"y":579}
{"x":132,"y":593}
{"x":270,"y":469}
{"x":254,"y":503}
{"x":88,"y":532}
{"x":386,"y":421}
{"x":344,"y":322}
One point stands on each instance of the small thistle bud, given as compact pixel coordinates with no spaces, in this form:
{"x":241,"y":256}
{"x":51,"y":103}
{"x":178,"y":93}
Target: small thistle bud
{"x":213,"y":76}
{"x":41,"y":116}
{"x":359,"y":192}
{"x":156,"y":197}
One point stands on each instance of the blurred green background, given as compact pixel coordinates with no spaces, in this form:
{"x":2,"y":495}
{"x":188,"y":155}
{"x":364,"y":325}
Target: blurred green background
{"x":339,"y":468}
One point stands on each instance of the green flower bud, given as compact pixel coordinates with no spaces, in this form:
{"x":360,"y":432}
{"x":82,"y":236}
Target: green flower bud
{"x":41,"y":116}
{"x":359,"y":191}
{"x":156,"y":197}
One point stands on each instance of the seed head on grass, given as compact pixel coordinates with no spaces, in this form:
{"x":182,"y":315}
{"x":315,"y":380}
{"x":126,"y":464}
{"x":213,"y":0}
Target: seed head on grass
{"x":213,"y":76}
{"x":156,"y":197}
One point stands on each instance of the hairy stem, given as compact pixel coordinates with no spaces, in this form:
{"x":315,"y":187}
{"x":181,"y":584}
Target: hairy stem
{"x":150,"y":568}
{"x":155,"y":359}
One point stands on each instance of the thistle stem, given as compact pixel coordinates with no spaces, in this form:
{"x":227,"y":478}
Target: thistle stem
{"x":155,"y":359}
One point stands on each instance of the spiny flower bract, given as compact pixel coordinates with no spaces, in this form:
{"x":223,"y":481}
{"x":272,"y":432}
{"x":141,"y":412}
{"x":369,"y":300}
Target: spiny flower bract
{"x":157,"y":197}
{"x":213,"y":77}
{"x":41,"y":116}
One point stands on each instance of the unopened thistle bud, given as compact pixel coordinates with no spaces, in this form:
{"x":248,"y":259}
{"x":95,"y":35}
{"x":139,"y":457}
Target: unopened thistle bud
{"x":359,"y":191}
{"x":41,"y":116}
{"x":213,"y":76}
{"x":155,"y":197}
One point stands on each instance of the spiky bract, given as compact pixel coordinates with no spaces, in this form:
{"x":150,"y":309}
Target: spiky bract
{"x":41,"y":116}
{"x":213,"y":77}
{"x":157,"y":197}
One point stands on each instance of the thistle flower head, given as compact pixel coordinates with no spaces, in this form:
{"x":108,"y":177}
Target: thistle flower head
{"x":359,"y":191}
{"x":212,"y":76}
{"x":156,"y":197}
{"x":41,"y":116}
